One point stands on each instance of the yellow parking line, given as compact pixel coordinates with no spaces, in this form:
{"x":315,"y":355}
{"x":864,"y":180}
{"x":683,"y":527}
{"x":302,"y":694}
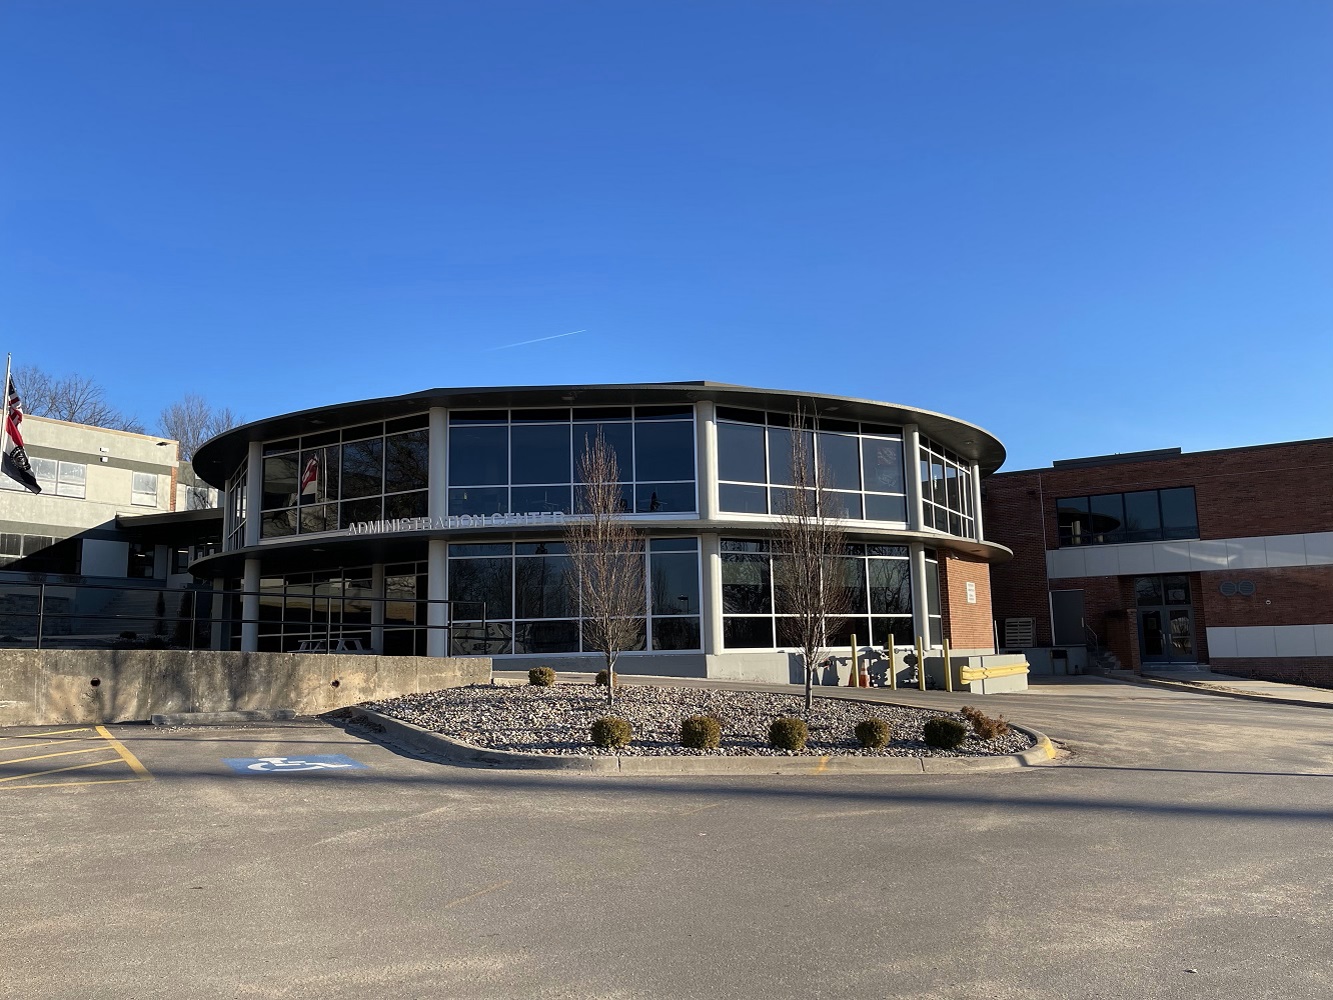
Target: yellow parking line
{"x":58,"y":770}
{"x":29,"y":746}
{"x":125,"y":754}
{"x":62,"y":753}
{"x":58,"y":732}
{"x":67,"y":784}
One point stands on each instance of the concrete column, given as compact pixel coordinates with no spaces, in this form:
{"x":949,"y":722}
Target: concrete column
{"x":377,"y":593}
{"x":920,"y":593}
{"x":437,"y":589}
{"x":215,"y":633}
{"x":254,"y":492}
{"x":438,"y":454}
{"x":250,"y":605}
{"x":710,"y":605}
{"x":976,"y":499}
{"x":705,"y":415}
{"x":912,"y":461}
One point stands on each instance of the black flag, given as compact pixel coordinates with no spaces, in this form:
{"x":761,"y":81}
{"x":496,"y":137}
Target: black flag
{"x":15,"y":461}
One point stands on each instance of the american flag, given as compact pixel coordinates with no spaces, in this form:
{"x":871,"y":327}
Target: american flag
{"x":15,"y":459}
{"x":310,"y":477}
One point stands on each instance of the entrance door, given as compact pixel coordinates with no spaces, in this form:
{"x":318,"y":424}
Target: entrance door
{"x":1166,"y":620}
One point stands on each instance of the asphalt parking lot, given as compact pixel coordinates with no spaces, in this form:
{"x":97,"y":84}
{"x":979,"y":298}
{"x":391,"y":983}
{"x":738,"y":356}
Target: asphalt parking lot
{"x":1182,"y":849}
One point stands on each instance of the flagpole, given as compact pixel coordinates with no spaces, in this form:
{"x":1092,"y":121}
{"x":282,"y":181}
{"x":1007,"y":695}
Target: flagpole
{"x":4,"y":420}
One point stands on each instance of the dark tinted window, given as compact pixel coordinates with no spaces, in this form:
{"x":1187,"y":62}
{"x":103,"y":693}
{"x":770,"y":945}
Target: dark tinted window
{"x":664,"y":498}
{"x":544,"y":587}
{"x":1072,"y":515}
{"x":746,"y":586}
{"x":540,"y":453}
{"x":619,"y":438}
{"x":1179,"y":517}
{"x":280,"y":477}
{"x":890,"y":587}
{"x":478,"y":455}
{"x":540,"y":499}
{"x":840,"y":460}
{"x":1143,"y":520}
{"x":743,"y":499}
{"x":363,"y":468}
{"x":485,"y":580}
{"x":747,"y":633}
{"x":664,"y":451}
{"x":406,"y":461}
{"x":1107,"y":517}
{"x":674,"y":583}
{"x":780,"y":456}
{"x":740,"y":452}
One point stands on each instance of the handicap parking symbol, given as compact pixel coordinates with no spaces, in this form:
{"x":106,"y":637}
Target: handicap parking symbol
{"x":293,"y":765}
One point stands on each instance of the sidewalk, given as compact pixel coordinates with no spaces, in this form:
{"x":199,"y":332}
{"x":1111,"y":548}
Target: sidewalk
{"x":1204,"y":679}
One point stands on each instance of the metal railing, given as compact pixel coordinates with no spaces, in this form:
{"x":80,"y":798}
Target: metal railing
{"x":46,"y":615}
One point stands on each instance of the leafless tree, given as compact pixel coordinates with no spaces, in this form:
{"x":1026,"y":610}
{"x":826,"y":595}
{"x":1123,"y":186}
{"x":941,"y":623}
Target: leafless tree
{"x":75,"y":398}
{"x":606,"y":556}
{"x":192,"y":421}
{"x":812,"y":600}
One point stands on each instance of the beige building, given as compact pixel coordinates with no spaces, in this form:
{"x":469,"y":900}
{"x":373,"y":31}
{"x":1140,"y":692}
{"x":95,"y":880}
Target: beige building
{"x":90,"y":477}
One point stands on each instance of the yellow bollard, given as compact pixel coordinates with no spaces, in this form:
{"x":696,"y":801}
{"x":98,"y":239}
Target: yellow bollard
{"x":948,"y":668}
{"x":920,"y":664}
{"x":893,"y":667}
{"x":855,"y":679}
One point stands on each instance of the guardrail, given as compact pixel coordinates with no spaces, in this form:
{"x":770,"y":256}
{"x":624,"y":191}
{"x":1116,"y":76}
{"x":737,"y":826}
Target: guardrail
{"x":43,"y":615}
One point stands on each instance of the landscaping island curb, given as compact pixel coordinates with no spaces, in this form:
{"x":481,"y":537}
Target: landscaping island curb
{"x":456,"y":751}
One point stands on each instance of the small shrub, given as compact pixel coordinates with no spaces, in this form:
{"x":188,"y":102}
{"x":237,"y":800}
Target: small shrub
{"x":944,"y":733}
{"x":983,"y":725}
{"x":610,"y":732}
{"x":873,"y":734}
{"x":701,"y":732}
{"x":788,"y":734}
{"x":603,"y":679}
{"x":542,"y":677}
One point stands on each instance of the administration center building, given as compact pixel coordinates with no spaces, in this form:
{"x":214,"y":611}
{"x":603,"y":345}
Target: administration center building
{"x":394,"y":519}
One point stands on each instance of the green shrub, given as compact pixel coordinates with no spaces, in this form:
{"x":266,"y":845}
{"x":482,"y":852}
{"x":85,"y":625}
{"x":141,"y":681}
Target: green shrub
{"x":542,"y":677}
{"x":609,"y":732}
{"x":873,"y":734}
{"x":701,"y":732}
{"x":983,"y":725}
{"x":603,"y":679}
{"x":944,"y":733}
{"x":788,"y":734}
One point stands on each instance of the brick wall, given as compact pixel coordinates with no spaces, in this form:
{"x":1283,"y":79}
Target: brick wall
{"x":1295,"y":595}
{"x":967,"y":626}
{"x":1317,"y":671}
{"x":1241,"y":492}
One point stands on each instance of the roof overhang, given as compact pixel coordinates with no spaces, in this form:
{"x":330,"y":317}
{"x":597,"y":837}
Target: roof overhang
{"x":219,"y":457}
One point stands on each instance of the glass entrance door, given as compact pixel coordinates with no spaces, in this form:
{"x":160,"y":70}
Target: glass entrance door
{"x":1166,"y":620}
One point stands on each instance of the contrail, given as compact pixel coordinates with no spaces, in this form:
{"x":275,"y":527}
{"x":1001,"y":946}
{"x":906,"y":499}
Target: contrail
{"x":524,"y":343}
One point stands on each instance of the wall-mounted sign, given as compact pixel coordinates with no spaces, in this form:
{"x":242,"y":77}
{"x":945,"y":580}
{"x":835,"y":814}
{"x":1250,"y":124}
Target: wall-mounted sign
{"x":971,"y":592}
{"x":394,"y":525}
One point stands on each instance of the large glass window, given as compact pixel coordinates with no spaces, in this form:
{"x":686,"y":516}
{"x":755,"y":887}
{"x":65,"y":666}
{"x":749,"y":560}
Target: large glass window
{"x":326,"y":481}
{"x":528,"y":460}
{"x":531,"y":596}
{"x":875,"y":578}
{"x":946,"y":490}
{"x":1140,"y":516}
{"x":859,"y":467}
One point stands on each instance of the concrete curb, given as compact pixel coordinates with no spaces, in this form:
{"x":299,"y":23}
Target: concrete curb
{"x":223,"y":718}
{"x":1194,"y":687}
{"x":456,"y":751}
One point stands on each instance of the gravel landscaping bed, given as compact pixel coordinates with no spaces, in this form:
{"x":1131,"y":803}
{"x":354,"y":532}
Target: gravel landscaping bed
{"x":555,"y":720}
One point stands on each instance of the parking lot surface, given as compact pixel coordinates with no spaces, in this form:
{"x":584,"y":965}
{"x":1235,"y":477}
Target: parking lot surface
{"x":1181,"y":849}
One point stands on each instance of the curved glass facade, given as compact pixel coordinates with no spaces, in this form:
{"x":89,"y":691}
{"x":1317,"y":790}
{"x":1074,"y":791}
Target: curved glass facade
{"x":457,"y":503}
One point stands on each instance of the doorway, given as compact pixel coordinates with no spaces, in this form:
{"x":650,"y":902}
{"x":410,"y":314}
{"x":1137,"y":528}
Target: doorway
{"x":1166,"y":620}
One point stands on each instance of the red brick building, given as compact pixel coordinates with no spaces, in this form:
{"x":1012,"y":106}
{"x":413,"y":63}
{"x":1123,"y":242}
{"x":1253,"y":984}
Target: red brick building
{"x":1162,"y":559}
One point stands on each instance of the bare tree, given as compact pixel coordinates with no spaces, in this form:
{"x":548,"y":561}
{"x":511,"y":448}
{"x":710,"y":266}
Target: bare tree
{"x":191,"y":421}
{"x":606,"y":556}
{"x":808,"y":564}
{"x":75,"y":398}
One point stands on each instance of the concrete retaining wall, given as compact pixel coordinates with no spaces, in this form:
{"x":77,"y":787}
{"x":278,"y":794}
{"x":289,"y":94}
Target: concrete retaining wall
{"x":48,"y":686}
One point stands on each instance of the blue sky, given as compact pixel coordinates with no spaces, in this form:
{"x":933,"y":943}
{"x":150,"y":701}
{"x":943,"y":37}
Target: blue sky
{"x":1088,"y":227}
